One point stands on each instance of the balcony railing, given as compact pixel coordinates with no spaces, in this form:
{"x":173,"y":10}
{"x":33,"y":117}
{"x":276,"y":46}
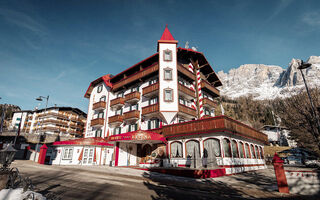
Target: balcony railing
{"x":214,"y":124}
{"x":99,"y":105}
{"x":187,"y":91}
{"x":205,"y":85}
{"x":97,"y":122}
{"x":132,"y":115}
{"x":116,"y":119}
{"x":182,"y":69}
{"x":117,"y":102}
{"x":135,"y":77}
{"x":209,"y":102}
{"x":150,"y":109}
{"x":132,"y":97}
{"x":187,"y":110}
{"x":151,"y":89}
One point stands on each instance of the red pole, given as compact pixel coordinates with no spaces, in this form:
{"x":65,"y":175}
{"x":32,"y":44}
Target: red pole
{"x":280,"y":174}
{"x":42,"y":154}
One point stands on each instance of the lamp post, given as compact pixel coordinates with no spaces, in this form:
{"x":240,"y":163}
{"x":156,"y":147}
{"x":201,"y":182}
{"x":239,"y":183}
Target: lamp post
{"x":6,"y":156}
{"x":301,"y":67}
{"x":40,"y":98}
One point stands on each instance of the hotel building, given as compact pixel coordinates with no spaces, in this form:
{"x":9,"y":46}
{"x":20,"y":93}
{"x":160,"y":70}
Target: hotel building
{"x":160,"y":112}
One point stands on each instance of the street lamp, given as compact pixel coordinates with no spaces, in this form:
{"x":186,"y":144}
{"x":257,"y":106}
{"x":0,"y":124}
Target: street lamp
{"x":40,"y":98}
{"x":301,"y":67}
{"x":7,"y":155}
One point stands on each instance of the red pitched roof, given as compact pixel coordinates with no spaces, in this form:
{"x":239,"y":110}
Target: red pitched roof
{"x":166,"y":34}
{"x":84,"y":141}
{"x":105,"y":79}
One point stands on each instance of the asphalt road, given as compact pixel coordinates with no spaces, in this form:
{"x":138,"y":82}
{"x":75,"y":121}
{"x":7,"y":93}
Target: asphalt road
{"x":74,"y":182}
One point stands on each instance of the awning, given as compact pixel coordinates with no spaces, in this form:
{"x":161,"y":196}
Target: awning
{"x":139,"y":137}
{"x":84,"y":142}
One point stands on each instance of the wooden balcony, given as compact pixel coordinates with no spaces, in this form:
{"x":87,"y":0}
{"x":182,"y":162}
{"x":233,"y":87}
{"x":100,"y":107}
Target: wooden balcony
{"x":136,"y":77}
{"x":186,"y":92}
{"x":209,"y":103}
{"x":132,"y":97}
{"x":118,"y":102}
{"x":185,"y":110}
{"x":56,"y":122}
{"x":185,"y":71}
{"x":151,"y":90}
{"x":205,"y":85}
{"x":116,"y":120}
{"x":151,"y":109}
{"x":97,"y":122}
{"x":221,"y":123}
{"x":98,"y":106}
{"x":131,"y":115}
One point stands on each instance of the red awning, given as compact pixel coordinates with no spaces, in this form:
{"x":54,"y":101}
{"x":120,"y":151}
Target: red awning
{"x":139,"y":137}
{"x":84,"y":142}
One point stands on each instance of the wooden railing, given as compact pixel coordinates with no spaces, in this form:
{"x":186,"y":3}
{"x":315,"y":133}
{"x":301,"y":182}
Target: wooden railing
{"x":182,"y":69}
{"x":52,"y":121}
{"x":214,"y":124}
{"x":187,"y":110}
{"x":134,"y":114}
{"x":209,"y":87}
{"x":186,"y":90}
{"x":151,"y":88}
{"x":116,"y":118}
{"x":150,"y":109}
{"x":98,"y":121}
{"x":99,"y":105}
{"x":209,"y":102}
{"x":117,"y":101}
{"x":136,"y":76}
{"x":132,"y":95}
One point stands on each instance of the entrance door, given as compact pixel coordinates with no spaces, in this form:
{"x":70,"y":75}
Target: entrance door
{"x":210,"y":152}
{"x":193,"y":154}
{"x":87,"y":156}
{"x":146,"y":153}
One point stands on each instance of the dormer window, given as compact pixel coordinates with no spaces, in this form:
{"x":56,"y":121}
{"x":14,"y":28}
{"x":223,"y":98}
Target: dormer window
{"x":99,"y":89}
{"x":167,"y":55}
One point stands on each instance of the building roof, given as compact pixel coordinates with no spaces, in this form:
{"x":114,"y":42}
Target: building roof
{"x":84,"y":141}
{"x":76,"y":110}
{"x":105,"y":79}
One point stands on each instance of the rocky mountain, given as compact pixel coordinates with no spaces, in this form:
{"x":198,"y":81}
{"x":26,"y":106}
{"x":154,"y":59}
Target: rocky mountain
{"x":269,"y":81}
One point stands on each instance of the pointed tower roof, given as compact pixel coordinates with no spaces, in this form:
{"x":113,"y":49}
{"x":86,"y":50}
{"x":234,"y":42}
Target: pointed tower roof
{"x":167,"y":37}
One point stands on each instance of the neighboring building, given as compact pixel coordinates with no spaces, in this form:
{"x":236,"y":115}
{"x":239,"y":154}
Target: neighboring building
{"x":53,"y":120}
{"x":160,"y":112}
{"x":278,"y":135}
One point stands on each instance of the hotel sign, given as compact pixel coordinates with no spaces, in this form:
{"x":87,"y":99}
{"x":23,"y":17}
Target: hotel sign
{"x":137,"y":136}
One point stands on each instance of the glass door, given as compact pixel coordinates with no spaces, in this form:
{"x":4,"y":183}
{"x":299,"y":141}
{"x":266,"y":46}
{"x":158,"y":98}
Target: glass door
{"x":87,"y":156}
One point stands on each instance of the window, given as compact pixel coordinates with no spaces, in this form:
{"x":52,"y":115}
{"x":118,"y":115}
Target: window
{"x":227,"y":148}
{"x":257,"y":151}
{"x":99,"y":133}
{"x":167,"y":55}
{"x":212,"y":146}
{"x":99,"y":89}
{"x":118,"y":112}
{"x":153,"y":123}
{"x":241,"y":147}
{"x":153,"y":81}
{"x":133,"y":127}
{"x":100,"y":115}
{"x":117,"y":131}
{"x":235,"y":152}
{"x":167,"y":74}
{"x":134,"y":89}
{"x":18,"y":119}
{"x":253,"y":152}
{"x":168,"y":94}
{"x":176,"y":150}
{"x":153,"y":101}
{"x":67,"y":154}
{"x":103,"y":98}
{"x":134,"y":107}
{"x":207,"y":112}
{"x":182,"y":101}
{"x":247,"y":150}
{"x":261,"y":152}
{"x":120,"y":94}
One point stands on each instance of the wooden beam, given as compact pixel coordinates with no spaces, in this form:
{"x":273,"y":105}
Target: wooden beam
{"x":203,"y":65}
{"x":207,"y":76}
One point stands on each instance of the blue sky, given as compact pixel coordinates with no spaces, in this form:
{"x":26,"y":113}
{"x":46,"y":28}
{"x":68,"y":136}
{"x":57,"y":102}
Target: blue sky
{"x":57,"y":48}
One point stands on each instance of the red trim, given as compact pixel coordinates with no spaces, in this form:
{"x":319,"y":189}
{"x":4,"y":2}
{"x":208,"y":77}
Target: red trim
{"x":105,"y":79}
{"x":117,"y":155}
{"x":233,"y":166}
{"x":142,"y":135}
{"x":84,"y":141}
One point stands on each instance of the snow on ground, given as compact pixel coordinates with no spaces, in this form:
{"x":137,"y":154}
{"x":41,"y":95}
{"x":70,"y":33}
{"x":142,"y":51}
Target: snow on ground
{"x":18,"y":194}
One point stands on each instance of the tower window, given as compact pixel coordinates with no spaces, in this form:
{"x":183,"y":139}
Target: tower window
{"x":167,"y":55}
{"x":167,"y":74}
{"x":168,"y":94}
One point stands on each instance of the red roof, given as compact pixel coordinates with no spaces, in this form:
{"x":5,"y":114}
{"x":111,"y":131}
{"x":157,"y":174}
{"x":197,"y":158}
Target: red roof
{"x":84,"y":141}
{"x":166,"y":34}
{"x":105,"y":79}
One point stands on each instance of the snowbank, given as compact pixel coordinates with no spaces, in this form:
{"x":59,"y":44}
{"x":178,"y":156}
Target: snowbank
{"x":18,"y":194}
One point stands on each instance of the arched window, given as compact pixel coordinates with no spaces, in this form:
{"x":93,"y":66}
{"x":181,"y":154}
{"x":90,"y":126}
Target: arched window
{"x":253,"y":152}
{"x":235,"y":152}
{"x":212,"y":145}
{"x":193,"y":154}
{"x":226,"y":148}
{"x":241,"y":148}
{"x":248,"y":154}
{"x":257,"y":151}
{"x":176,"y":150}
{"x":261,"y":153}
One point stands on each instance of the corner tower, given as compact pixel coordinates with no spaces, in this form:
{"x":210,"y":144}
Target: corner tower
{"x":168,"y":76}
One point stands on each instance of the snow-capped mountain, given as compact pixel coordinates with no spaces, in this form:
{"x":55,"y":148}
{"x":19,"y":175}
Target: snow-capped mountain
{"x":269,"y":81}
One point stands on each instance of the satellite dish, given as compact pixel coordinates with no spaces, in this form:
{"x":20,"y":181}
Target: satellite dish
{"x":194,"y":48}
{"x":186,"y":45}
